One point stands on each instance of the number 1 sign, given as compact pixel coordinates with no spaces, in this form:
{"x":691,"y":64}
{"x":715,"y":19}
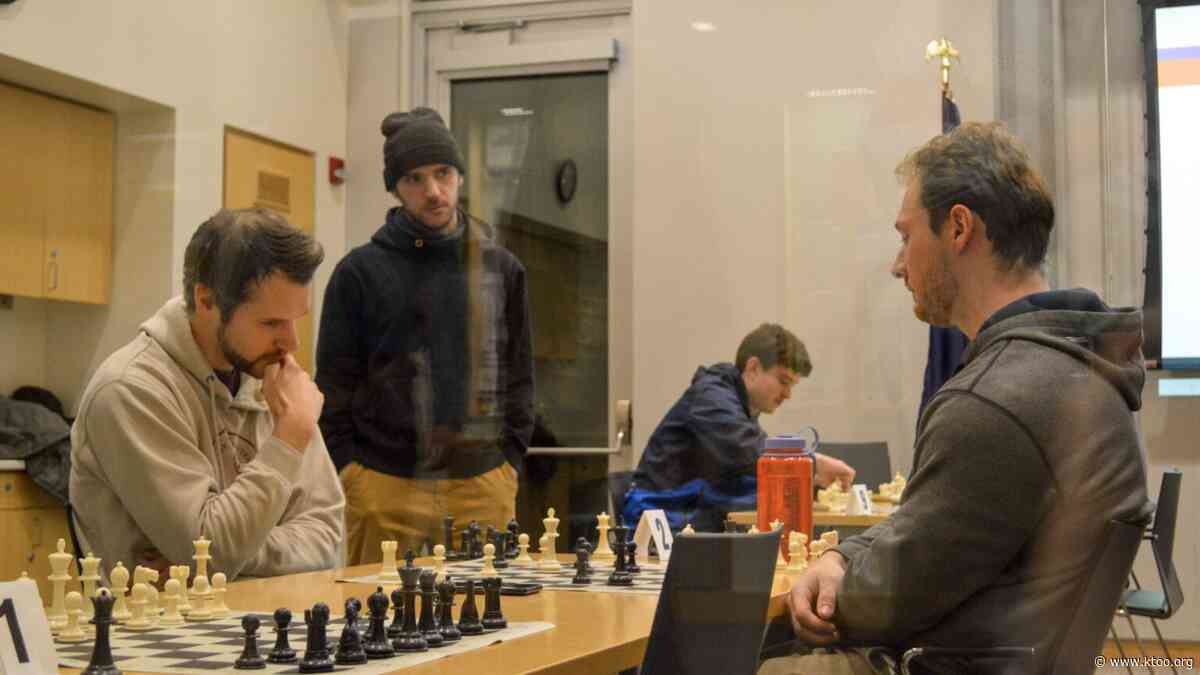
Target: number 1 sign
{"x":25,"y":643}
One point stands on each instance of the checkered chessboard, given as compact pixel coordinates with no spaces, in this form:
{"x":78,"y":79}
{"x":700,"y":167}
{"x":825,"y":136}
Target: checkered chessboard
{"x":213,"y":646}
{"x":649,"y":580}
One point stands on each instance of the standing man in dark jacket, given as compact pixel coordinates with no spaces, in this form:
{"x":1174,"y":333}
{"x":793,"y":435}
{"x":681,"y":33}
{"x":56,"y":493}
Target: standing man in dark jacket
{"x":1022,"y":457}
{"x":425,"y":357}
{"x":700,"y":462}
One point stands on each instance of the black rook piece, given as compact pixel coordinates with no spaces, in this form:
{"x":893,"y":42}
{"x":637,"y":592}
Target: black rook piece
{"x":283,"y":652}
{"x":448,"y":528}
{"x":468,"y":618}
{"x":450,"y":632}
{"x":493,"y":619}
{"x":102,"y":658}
{"x":500,"y":542}
{"x":350,"y":646}
{"x":428,"y":623}
{"x":514,"y":531}
{"x":250,"y":658}
{"x":316,"y":649}
{"x":377,"y":645}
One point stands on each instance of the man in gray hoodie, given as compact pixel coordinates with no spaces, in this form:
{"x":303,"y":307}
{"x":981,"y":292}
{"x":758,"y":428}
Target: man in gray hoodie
{"x":1021,"y":458}
{"x":204,"y":424}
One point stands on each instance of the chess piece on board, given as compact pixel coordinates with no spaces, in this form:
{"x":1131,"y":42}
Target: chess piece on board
{"x":350,"y":645}
{"x":377,"y":644}
{"x":798,"y":557}
{"x":583,"y":573}
{"x":201,"y":557}
{"x":439,"y":561}
{"x":448,"y":535}
{"x":550,"y":550}
{"x":523,"y":558}
{"x":387,"y":569}
{"x":137,"y":603}
{"x":250,"y":658}
{"x":101,"y":661}
{"x":688,"y":529}
{"x":500,"y":544}
{"x":201,"y":594}
{"x":60,"y":561}
{"x":603,"y":552}
{"x":73,"y":630}
{"x":91,"y":579}
{"x":620,"y":576}
{"x":514,"y":531}
{"x":397,"y":625}
{"x":181,"y":572}
{"x":450,"y":632}
{"x":172,"y":615}
{"x":493,"y":618}
{"x":410,"y":639}
{"x":489,"y":556}
{"x":468,"y":617}
{"x":119,"y":576}
{"x":217,"y":606}
{"x":282,"y":652}
{"x":316,"y":647}
{"x":428,"y":622}
{"x":631,"y":564}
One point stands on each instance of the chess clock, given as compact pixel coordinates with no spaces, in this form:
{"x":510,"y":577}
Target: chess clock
{"x":566,"y":180}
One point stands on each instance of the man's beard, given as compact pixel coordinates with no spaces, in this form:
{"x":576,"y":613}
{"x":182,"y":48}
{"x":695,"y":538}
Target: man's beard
{"x":941,"y":290}
{"x":241,"y":364}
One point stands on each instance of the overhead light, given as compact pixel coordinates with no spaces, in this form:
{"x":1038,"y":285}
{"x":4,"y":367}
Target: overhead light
{"x":516,"y":112}
{"x":703,"y":26}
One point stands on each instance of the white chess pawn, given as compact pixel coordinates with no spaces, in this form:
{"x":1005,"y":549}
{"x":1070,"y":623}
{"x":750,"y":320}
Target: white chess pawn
{"x":688,"y":529}
{"x":523,"y":558}
{"x":60,"y":561}
{"x":603,"y":551}
{"x":171,"y":595}
{"x":217,"y":606}
{"x":387,"y":569}
{"x":547,"y":560}
{"x":180,"y":573}
{"x":489,"y":556}
{"x":753,"y":530}
{"x":439,"y":562}
{"x":201,"y":594}
{"x":120,"y":583}
{"x":73,"y":631}
{"x":137,"y":603}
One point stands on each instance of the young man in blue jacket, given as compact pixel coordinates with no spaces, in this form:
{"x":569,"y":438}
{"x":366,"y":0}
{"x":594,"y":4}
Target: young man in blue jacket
{"x":700,"y":462}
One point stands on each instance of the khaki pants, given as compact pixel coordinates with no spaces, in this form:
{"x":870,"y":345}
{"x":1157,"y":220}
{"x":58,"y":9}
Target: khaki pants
{"x":380,"y":507}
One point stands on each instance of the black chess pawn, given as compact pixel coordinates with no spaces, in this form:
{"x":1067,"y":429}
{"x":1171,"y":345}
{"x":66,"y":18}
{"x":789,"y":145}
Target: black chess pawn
{"x":500,"y":541}
{"x":350,"y":647}
{"x":282,"y":652}
{"x":316,"y":648}
{"x":250,"y":658}
{"x":448,"y":531}
{"x":410,"y":639}
{"x":631,"y":564}
{"x":376,"y":644}
{"x":468,"y":617}
{"x":493,"y":619}
{"x":620,"y":576}
{"x":397,"y":625}
{"x":583,"y":542}
{"x":428,"y":624}
{"x":450,"y":632}
{"x":514,"y":531}
{"x":583,"y":572}
{"x":101,"y":662}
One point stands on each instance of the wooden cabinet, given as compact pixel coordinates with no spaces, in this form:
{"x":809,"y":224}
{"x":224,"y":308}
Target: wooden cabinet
{"x":31,"y":523}
{"x":56,"y":202}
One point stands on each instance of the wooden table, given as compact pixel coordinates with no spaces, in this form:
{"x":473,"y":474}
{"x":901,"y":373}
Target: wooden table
{"x":600,"y":633}
{"x":828,"y":518}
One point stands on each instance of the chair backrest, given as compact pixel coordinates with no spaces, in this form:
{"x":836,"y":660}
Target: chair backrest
{"x":712,"y":611}
{"x":871,"y":462}
{"x":1085,"y":635}
{"x":618,"y":485}
{"x":1163,"y":538}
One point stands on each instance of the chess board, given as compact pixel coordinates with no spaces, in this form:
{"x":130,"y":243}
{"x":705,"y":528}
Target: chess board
{"x":213,"y":646}
{"x":649,"y":580}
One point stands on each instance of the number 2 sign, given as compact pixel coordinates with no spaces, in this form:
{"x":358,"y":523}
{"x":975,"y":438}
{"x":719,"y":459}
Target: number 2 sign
{"x":654,"y":525}
{"x":25,"y":643}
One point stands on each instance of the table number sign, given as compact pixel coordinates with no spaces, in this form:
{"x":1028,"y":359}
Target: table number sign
{"x":25,"y":643}
{"x":654,"y":525}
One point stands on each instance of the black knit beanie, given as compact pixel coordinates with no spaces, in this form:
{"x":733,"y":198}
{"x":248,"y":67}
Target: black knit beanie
{"x":414,"y":139}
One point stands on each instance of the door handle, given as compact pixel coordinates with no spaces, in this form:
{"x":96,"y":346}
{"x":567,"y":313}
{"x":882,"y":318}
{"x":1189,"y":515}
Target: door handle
{"x":54,"y":270}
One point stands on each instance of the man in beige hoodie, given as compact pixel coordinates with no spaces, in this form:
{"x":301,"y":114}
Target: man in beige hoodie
{"x":204,"y":425}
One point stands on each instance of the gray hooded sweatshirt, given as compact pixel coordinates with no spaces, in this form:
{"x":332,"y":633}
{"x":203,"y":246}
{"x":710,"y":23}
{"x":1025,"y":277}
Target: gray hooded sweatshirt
{"x":162,"y":454}
{"x":1021,"y":459}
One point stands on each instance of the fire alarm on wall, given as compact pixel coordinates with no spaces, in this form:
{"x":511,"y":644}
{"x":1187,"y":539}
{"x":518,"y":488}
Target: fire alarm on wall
{"x":337,"y":171}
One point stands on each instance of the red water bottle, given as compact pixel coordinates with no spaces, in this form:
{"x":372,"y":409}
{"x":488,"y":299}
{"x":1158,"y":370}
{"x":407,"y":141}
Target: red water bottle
{"x":785,"y":480}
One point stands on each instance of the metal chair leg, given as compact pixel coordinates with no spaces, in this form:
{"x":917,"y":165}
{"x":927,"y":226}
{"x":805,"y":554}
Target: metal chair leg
{"x":1136,"y":637}
{"x":1120,"y":649}
{"x":1163,"y":643}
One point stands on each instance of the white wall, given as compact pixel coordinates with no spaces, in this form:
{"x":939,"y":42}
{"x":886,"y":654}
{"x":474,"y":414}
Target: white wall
{"x":275,"y":68}
{"x":765,"y":192}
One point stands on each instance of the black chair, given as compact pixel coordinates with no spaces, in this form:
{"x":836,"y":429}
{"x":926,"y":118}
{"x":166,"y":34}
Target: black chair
{"x":871,"y":462}
{"x":712,"y":611}
{"x":1157,"y":605}
{"x":1089,"y":623}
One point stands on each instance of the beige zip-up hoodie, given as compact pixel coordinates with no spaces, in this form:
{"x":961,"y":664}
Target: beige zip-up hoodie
{"x":161,"y":454}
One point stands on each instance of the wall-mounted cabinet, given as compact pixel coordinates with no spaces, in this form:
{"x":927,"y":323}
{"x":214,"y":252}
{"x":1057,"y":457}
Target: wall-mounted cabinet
{"x":56,"y":198}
